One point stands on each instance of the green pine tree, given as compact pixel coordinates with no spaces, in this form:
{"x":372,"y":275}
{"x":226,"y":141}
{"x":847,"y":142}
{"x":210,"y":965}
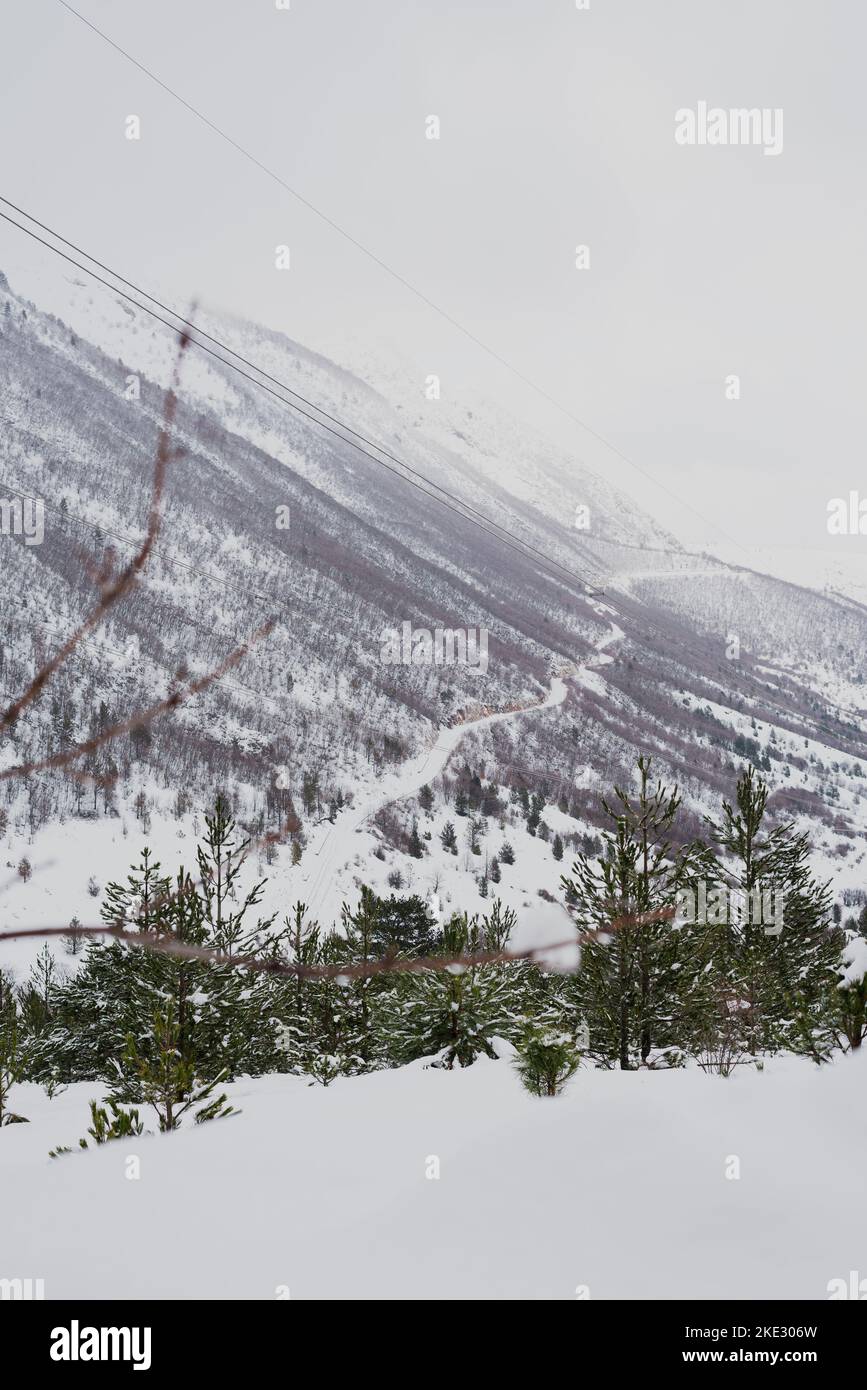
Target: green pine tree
{"x":343,"y":1035}
{"x":448,"y":837}
{"x":156,"y":1072}
{"x":225,"y":1017}
{"x":849,"y":1014}
{"x":221,"y":859}
{"x":416,"y":848}
{"x":781,"y":967}
{"x":644,"y":983}
{"x":11,"y":1058}
{"x":455,"y":1013}
{"x":546,"y":1061}
{"x":359,"y":934}
{"x":295,"y":998}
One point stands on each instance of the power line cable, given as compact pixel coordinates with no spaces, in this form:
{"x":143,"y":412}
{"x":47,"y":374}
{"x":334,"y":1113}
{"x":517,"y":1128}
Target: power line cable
{"x":202,"y":333}
{"x":515,"y":544}
{"x":396,"y":275}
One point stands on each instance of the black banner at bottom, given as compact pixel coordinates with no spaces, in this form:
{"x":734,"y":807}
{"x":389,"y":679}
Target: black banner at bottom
{"x":68,"y":1338}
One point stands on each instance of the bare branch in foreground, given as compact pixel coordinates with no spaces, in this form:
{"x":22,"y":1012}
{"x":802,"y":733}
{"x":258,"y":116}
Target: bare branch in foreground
{"x":114,"y":589}
{"x":145,"y":716}
{"x":168,"y":944}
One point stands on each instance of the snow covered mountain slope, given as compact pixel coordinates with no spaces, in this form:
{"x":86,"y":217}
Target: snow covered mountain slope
{"x":708,"y":664}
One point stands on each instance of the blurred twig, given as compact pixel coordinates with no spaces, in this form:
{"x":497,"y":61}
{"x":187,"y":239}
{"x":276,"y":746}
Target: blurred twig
{"x":168,"y":944}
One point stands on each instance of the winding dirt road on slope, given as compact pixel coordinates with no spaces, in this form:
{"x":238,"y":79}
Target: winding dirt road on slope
{"x":338,"y":845}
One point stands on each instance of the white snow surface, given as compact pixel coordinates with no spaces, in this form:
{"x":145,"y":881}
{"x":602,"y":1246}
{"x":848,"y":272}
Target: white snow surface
{"x":618,"y":1185}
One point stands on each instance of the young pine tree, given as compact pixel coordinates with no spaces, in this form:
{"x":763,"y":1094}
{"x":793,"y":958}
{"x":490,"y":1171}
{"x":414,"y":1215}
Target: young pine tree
{"x":343,"y":1043}
{"x":849,"y":1014}
{"x":416,"y":848}
{"x":161,"y":1076}
{"x":448,"y":837}
{"x":403,"y":926}
{"x":455,"y":1013}
{"x":359,"y":933}
{"x":546,"y":1061}
{"x":11,"y":1060}
{"x":295,"y":998}
{"x":782,"y":972}
{"x":221,"y":859}
{"x":643,"y":982}
{"x":224,"y":1018}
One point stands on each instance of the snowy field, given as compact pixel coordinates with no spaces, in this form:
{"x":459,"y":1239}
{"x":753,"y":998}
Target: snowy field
{"x":617,"y":1189}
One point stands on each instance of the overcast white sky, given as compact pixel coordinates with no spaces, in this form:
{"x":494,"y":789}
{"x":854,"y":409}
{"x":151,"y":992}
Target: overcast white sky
{"x":557,"y":128}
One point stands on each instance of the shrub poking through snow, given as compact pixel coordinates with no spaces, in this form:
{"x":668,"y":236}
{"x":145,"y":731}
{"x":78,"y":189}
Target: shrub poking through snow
{"x":123,"y":1124}
{"x":546,"y":1061}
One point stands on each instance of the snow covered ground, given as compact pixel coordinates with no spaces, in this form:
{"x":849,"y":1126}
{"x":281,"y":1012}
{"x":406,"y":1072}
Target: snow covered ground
{"x":618,"y":1187}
